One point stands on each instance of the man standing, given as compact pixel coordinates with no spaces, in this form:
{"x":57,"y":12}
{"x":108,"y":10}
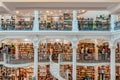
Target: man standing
{"x":6,"y":52}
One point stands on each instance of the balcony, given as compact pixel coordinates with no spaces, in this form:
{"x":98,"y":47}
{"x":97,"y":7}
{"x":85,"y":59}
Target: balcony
{"x":20,"y":25}
{"x":66,"y":57}
{"x":43,"y":58}
{"x":59,"y":26}
{"x":61,"y":21}
{"x":117,"y":25}
{"x":89,"y":58}
{"x":93,"y":26}
{"x":21,"y":59}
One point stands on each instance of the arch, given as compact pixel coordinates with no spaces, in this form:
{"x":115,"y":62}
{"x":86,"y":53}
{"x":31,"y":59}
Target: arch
{"x":17,"y":37}
{"x":54,"y":37}
{"x":93,"y":37}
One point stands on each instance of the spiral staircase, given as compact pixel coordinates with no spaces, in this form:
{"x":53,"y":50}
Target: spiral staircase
{"x":55,"y":68}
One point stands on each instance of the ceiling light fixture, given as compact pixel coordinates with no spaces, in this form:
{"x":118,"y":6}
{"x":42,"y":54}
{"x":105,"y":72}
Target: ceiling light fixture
{"x":17,"y":12}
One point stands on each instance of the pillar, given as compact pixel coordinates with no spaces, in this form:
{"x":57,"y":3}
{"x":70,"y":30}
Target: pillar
{"x":36,"y":22}
{"x":112,"y":23}
{"x":16,"y":51}
{"x":0,"y":21}
{"x":35,"y":41}
{"x":112,"y":62}
{"x":75,"y":21}
{"x":74,"y":47}
{"x":96,"y":72}
{"x":96,"y":50}
{"x":4,"y":57}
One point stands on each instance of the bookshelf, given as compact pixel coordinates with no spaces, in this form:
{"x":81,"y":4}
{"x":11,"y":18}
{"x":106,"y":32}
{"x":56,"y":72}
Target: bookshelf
{"x":63,"y":71}
{"x":15,"y":73}
{"x":117,"y":72}
{"x":83,"y":71}
{"x":25,"y":50}
{"x":55,"y":48}
{"x":44,"y":73}
{"x":106,"y":70}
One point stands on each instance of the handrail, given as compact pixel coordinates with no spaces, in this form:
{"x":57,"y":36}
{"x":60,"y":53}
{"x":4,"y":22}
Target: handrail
{"x":59,"y":58}
{"x":67,"y":71}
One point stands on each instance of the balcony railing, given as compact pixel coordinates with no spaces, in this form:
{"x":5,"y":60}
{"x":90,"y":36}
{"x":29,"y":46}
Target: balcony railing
{"x":90,"y":58}
{"x":73,"y":24}
{"x":20,"y":25}
{"x":62,"y":26}
{"x":117,"y":25}
{"x":43,"y":57}
{"x":82,"y":58}
{"x":66,"y":57}
{"x":21,"y":59}
{"x":89,"y":25}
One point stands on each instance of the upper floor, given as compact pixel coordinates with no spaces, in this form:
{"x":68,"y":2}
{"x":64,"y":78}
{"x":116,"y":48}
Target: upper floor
{"x":54,"y":16}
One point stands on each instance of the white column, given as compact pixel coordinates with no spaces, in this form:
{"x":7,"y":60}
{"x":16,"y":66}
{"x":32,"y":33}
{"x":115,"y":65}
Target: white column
{"x":112,"y":62}
{"x":4,"y":57}
{"x":35,"y":58}
{"x":96,"y":50}
{"x":36,"y":22}
{"x":112,"y":22}
{"x":74,"y":46}
{"x":75,"y":21}
{"x":0,"y":21}
{"x":96,"y":72}
{"x":16,"y":51}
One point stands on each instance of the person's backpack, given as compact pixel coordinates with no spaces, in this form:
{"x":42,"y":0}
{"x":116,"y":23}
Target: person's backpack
{"x":8,"y":49}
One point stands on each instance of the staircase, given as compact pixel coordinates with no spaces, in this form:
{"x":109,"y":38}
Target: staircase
{"x":55,"y":69}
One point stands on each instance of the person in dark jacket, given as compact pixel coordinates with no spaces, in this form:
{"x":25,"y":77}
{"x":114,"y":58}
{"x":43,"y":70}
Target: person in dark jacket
{"x":85,"y":78}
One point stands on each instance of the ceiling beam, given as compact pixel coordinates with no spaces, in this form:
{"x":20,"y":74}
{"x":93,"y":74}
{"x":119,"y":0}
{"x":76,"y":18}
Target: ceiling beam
{"x":6,"y":8}
{"x":114,"y":9}
{"x":60,"y":1}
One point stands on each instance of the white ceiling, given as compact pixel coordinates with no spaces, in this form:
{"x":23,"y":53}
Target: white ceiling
{"x":56,"y":5}
{"x":11,"y":6}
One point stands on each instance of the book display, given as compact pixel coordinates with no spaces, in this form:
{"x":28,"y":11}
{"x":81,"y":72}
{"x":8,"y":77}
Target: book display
{"x":16,"y":73}
{"x":17,"y":23}
{"x":85,"y":71}
{"x":66,"y":71}
{"x":44,"y":73}
{"x":26,"y":51}
{"x":102,"y":22}
{"x":43,"y":54}
{"x":61,"y":21}
{"x":55,"y":48}
{"x":89,"y":50}
{"x":104,"y":72}
{"x":67,"y":53}
{"x":117,"y":23}
{"x":86,"y":51}
{"x":104,"y":52}
{"x":117,"y":72}
{"x":117,"y":53}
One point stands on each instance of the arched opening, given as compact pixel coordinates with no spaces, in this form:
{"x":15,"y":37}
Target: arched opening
{"x":55,"y":47}
{"x":17,"y":50}
{"x":92,"y":50}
